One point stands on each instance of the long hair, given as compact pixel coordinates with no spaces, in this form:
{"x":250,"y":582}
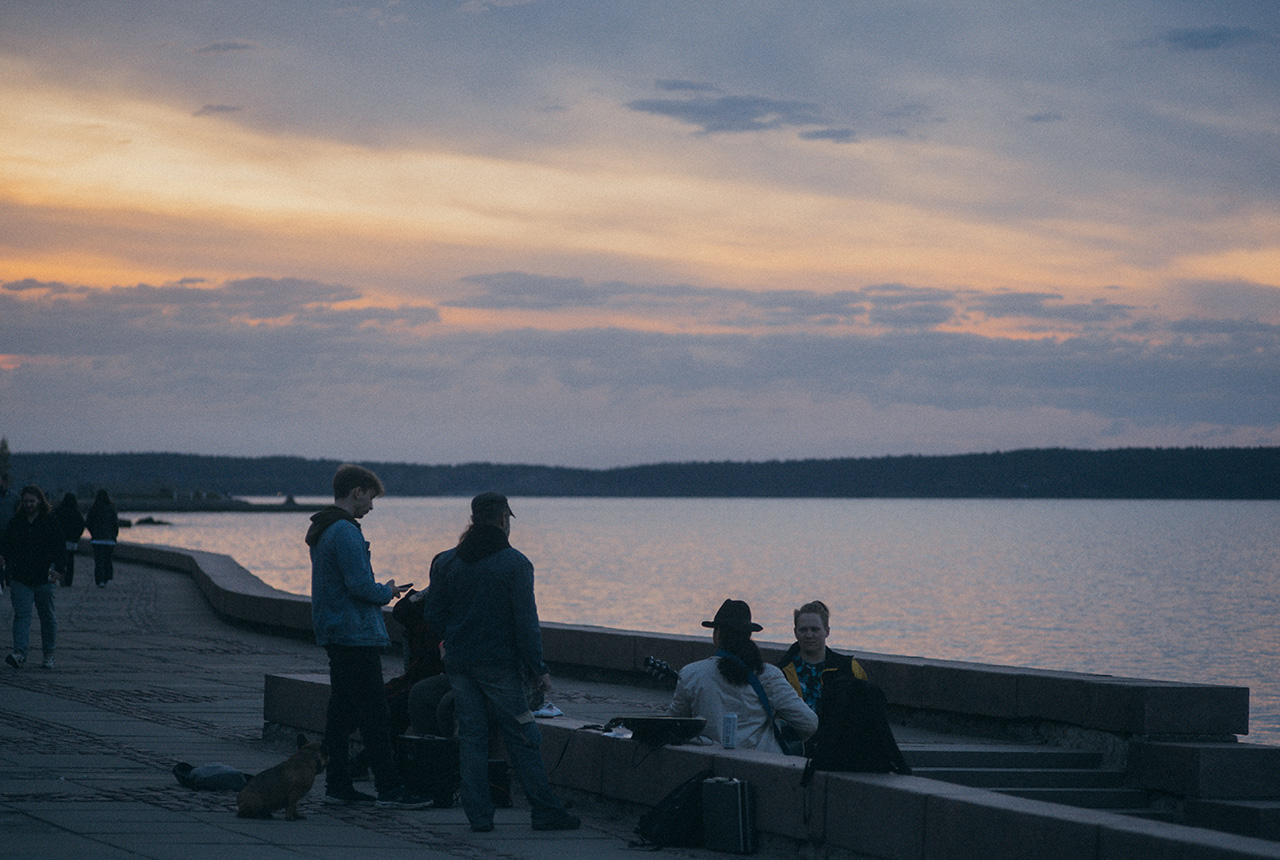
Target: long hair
{"x":739,"y":644}
{"x":33,"y":490}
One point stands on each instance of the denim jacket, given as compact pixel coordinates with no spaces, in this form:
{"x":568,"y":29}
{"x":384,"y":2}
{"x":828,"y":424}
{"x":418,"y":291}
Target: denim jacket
{"x":485,"y":610}
{"x":346,"y":601}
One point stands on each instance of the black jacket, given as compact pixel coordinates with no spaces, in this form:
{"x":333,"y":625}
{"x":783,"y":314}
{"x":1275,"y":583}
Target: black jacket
{"x":30,"y":548}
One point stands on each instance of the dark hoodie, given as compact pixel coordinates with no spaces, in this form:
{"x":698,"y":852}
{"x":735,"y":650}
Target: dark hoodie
{"x":324,"y":518}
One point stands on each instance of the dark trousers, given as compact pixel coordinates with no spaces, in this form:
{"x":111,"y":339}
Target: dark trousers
{"x":103,"y":570}
{"x":69,"y":570}
{"x":357,"y":700}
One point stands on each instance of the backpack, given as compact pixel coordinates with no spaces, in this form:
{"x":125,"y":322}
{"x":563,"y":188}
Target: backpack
{"x":677,"y":819}
{"x":853,"y":729}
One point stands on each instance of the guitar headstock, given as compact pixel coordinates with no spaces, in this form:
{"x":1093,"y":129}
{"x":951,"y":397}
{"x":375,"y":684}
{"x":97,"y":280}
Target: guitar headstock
{"x":659,"y":669}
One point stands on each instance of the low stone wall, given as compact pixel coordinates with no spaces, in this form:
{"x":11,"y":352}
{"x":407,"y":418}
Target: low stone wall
{"x":1032,"y":702}
{"x":837,"y":815}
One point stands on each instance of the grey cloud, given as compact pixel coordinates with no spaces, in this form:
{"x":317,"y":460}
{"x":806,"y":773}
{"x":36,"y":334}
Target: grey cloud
{"x":728,"y":113}
{"x":226,"y":47}
{"x":214,"y":110}
{"x":1242,"y":299}
{"x":835,"y":135}
{"x":1212,"y":38}
{"x":1037,"y":306}
{"x":520,"y":291}
{"x":1046,"y":116}
{"x":888,"y":305}
{"x":210,"y":357}
{"x":686,"y":86}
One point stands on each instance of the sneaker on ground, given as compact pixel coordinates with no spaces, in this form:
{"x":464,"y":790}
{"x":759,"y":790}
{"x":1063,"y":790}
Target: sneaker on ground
{"x":48,"y":661}
{"x":347,"y":796}
{"x":563,"y":821}
{"x":403,"y":798}
{"x":16,"y":660}
{"x":482,"y":827}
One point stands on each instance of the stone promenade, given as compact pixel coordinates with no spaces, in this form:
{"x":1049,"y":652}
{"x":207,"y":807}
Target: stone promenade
{"x":148,"y":676}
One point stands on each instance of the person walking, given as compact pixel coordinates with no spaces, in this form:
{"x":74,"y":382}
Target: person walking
{"x":346,"y":613}
{"x":480,"y":599}
{"x":32,"y":549}
{"x":104,"y":527}
{"x":73,"y":525}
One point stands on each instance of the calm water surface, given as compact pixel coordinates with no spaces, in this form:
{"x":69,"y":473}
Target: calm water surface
{"x":1184,"y":591}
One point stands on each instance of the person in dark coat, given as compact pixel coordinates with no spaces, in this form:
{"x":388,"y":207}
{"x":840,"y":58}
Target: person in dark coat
{"x":33,"y":552}
{"x":72,"y":523}
{"x":104,"y":528}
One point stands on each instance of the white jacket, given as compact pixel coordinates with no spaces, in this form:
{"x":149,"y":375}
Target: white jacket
{"x":704,"y":692}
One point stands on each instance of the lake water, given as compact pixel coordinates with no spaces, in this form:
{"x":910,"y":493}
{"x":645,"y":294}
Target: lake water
{"x":1183,"y":591}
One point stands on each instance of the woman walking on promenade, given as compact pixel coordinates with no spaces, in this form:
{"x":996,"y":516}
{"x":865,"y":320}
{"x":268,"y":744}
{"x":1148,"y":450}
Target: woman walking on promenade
{"x":72,"y":523}
{"x":33,"y":549}
{"x":104,"y":526}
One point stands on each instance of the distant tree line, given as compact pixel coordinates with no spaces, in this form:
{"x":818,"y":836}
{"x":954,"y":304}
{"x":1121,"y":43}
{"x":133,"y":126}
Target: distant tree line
{"x":1052,"y":473}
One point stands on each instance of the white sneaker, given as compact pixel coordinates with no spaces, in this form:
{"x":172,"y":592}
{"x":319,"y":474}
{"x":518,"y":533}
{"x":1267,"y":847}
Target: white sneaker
{"x":16,"y":660}
{"x":48,"y":661}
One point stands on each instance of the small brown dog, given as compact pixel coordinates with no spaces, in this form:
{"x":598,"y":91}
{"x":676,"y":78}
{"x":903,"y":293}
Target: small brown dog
{"x":282,"y":786}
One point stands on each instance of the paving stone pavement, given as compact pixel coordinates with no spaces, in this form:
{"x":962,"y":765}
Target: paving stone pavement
{"x":147,"y":676}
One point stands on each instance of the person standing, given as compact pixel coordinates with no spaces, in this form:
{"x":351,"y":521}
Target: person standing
{"x":104,"y":528}
{"x":480,"y":599}
{"x":72,"y":524}
{"x":32,"y":549}
{"x":346,"y":614}
{"x":736,"y":680}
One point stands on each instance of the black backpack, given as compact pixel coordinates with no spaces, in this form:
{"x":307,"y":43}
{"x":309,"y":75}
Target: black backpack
{"x":853,"y":729}
{"x":677,"y":819}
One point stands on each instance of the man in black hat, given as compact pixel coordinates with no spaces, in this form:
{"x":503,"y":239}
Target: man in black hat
{"x":481,"y":601}
{"x":738,"y":681}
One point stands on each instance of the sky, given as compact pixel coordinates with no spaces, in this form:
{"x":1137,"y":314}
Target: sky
{"x":597,"y":234}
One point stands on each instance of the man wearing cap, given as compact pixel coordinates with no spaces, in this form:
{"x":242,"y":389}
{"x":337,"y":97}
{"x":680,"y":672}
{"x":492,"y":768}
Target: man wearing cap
{"x":481,"y":601}
{"x":733,"y":681}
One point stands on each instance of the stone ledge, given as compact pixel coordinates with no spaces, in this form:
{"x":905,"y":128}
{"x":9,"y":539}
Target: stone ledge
{"x":1207,"y":770}
{"x":1122,"y":706}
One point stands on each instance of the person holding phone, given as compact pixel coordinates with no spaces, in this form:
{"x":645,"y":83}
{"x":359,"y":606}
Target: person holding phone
{"x":346,"y":613}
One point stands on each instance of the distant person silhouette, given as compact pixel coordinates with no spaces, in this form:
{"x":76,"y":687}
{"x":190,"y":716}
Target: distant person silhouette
{"x":72,"y":523}
{"x":104,"y":527}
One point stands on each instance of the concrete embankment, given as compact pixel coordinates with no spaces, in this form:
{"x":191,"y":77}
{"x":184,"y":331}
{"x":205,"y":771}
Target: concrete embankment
{"x":1009,"y":762}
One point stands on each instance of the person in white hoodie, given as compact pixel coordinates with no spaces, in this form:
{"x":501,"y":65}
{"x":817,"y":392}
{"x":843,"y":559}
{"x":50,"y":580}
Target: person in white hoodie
{"x":736,"y":680}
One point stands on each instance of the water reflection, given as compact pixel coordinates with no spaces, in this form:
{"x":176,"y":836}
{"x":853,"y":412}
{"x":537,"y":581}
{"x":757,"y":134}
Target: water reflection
{"x":1173,"y":590}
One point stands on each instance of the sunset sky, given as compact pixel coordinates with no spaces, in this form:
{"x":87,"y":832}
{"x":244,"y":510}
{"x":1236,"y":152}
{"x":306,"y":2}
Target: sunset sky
{"x":595,"y":234}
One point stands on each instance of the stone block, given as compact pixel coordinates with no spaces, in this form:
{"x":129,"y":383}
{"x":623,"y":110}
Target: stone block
{"x":298,"y":701}
{"x":635,"y":773}
{"x":995,"y":827}
{"x":1129,"y":838}
{"x":574,"y":759}
{"x":876,"y":815}
{"x":969,"y":688}
{"x":1057,"y":696}
{"x":1207,"y":770}
{"x":783,"y":806}
{"x":1138,"y":707}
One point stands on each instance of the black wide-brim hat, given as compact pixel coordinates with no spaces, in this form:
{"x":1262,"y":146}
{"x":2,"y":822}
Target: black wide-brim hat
{"x":734,"y":615}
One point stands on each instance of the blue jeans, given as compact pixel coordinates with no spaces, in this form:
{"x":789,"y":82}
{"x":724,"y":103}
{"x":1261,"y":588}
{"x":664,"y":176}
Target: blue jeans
{"x":22,"y":596}
{"x":482,"y":689}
